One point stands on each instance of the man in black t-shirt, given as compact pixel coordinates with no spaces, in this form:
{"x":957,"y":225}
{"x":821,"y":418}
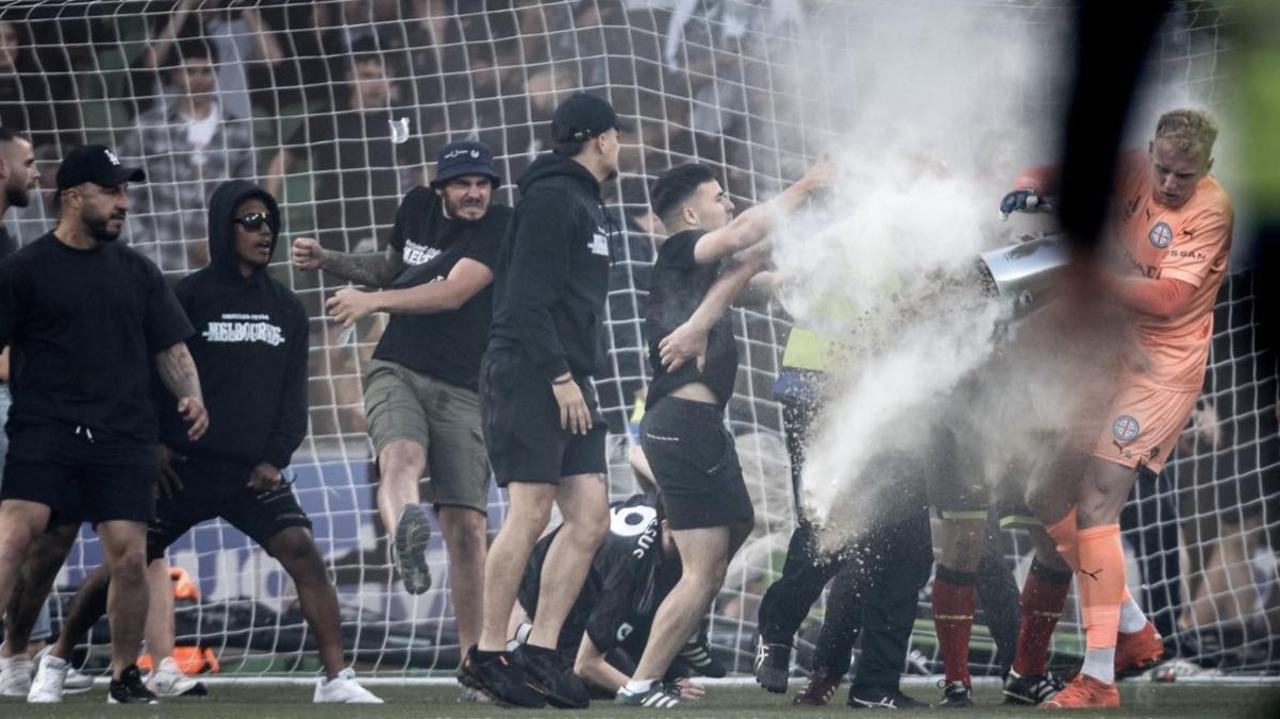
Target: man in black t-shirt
{"x":420,"y":388}
{"x":691,"y":453}
{"x":86,"y":318}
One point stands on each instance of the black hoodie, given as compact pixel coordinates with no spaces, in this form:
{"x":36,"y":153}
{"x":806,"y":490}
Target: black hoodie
{"x":553,"y":276}
{"x":250,"y":348}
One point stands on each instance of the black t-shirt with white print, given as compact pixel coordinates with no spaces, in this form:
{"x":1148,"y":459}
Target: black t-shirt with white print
{"x":679,"y":285}
{"x":84,"y":327}
{"x":444,"y":345}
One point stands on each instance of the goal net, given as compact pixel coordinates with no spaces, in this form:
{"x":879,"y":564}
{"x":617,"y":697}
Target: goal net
{"x":338,"y":106}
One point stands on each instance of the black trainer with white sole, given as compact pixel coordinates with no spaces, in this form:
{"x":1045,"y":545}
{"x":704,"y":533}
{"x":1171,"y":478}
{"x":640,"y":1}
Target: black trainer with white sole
{"x":129,"y":689}
{"x":874,"y":698}
{"x":773,"y":666}
{"x":1030,"y":690}
{"x":658,"y":696}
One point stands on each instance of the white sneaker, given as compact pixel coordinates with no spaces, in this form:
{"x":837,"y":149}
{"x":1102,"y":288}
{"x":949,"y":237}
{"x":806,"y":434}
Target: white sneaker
{"x":15,"y":676}
{"x":343,"y":689}
{"x":168,"y":680}
{"x":76,"y":682}
{"x":51,"y":676}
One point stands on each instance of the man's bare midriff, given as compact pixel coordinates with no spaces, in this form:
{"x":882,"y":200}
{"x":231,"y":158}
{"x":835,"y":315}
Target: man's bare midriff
{"x":696,"y":392}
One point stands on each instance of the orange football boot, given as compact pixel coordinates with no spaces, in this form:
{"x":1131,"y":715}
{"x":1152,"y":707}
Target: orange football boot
{"x":1085,"y":692}
{"x":1138,"y":651}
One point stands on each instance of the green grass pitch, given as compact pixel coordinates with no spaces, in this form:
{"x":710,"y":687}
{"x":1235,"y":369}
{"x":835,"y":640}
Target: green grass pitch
{"x":1140,"y":699}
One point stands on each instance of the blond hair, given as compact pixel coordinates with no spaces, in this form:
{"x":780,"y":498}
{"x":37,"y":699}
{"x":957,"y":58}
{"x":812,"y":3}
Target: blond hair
{"x":1192,"y":132}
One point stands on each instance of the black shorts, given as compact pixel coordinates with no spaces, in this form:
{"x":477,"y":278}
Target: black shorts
{"x":80,"y":474}
{"x":213,"y":489}
{"x":522,"y":430}
{"x":695,"y":462}
{"x":954,"y":473}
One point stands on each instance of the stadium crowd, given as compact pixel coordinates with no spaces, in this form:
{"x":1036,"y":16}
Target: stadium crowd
{"x":194,"y":131}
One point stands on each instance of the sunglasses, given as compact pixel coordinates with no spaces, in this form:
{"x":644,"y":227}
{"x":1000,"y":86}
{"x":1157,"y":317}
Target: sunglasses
{"x":253,"y":222}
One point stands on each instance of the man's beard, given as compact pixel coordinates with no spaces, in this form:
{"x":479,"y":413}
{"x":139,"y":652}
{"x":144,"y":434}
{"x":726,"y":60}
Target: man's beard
{"x":454,"y":211}
{"x":17,"y":196}
{"x":98,"y":229}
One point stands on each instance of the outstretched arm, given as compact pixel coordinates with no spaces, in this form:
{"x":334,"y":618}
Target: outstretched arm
{"x":372,"y":269}
{"x":466,"y":280}
{"x":178,"y":372}
{"x":754,"y":225}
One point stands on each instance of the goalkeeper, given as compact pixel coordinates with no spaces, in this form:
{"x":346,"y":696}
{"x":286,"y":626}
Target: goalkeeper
{"x":1172,"y":226}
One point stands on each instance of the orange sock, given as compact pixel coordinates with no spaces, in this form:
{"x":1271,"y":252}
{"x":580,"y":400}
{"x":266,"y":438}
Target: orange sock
{"x":1102,"y":586}
{"x":1065,"y":533}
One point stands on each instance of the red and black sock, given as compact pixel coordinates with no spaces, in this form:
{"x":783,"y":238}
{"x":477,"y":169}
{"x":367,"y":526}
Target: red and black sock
{"x":954,"y":600}
{"x":1043,"y":597}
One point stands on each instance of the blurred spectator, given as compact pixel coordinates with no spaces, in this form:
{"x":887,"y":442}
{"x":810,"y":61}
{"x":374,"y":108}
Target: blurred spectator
{"x":360,"y":156}
{"x":237,"y":34}
{"x":37,"y":218}
{"x":188,"y":145}
{"x":27,"y":90}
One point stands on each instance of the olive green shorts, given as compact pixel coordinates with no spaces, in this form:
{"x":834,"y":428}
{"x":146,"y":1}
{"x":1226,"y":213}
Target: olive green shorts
{"x":444,"y":419}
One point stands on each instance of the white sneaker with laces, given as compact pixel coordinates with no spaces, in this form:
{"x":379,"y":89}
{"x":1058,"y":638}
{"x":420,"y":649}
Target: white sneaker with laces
{"x":343,"y":689}
{"x":15,"y":676}
{"x":76,"y":682}
{"x":51,"y":677}
{"x":168,"y":680}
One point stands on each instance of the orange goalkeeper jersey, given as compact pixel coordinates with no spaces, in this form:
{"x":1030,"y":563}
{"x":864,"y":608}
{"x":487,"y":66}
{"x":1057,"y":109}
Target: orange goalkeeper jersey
{"x":1191,"y":244}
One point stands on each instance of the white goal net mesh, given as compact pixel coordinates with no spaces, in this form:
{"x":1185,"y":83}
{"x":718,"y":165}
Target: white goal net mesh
{"x":339,"y":106}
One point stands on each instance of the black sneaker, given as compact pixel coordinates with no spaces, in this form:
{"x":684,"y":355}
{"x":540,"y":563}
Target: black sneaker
{"x":500,"y":679}
{"x":129,"y":689}
{"x":409,"y":549}
{"x":1031,"y":689}
{"x":876,"y":698}
{"x":821,"y":687}
{"x":955,"y":695}
{"x":697,"y":654}
{"x":773,"y":666}
{"x":551,"y":674}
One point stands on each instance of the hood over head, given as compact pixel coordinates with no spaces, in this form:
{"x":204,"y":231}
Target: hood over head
{"x":222,"y":206}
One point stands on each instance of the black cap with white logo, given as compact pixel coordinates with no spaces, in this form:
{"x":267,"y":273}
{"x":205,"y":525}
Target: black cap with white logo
{"x":582,"y":117}
{"x":467,"y":157}
{"x":97,"y":164}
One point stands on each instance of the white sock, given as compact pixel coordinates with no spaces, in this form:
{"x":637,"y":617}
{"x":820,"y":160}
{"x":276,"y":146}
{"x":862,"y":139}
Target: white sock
{"x":1131,"y":617}
{"x":638,"y":687}
{"x":1100,"y":664}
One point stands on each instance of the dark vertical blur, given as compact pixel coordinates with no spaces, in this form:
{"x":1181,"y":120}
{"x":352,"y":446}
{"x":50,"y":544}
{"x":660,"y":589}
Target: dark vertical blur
{"x":1112,"y":40}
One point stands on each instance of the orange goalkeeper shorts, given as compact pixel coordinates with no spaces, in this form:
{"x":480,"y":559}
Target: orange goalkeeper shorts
{"x":1143,"y":424}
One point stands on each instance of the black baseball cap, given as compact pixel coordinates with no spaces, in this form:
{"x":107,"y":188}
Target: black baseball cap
{"x":96,"y":164}
{"x":583,"y":116}
{"x":466,"y":157}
